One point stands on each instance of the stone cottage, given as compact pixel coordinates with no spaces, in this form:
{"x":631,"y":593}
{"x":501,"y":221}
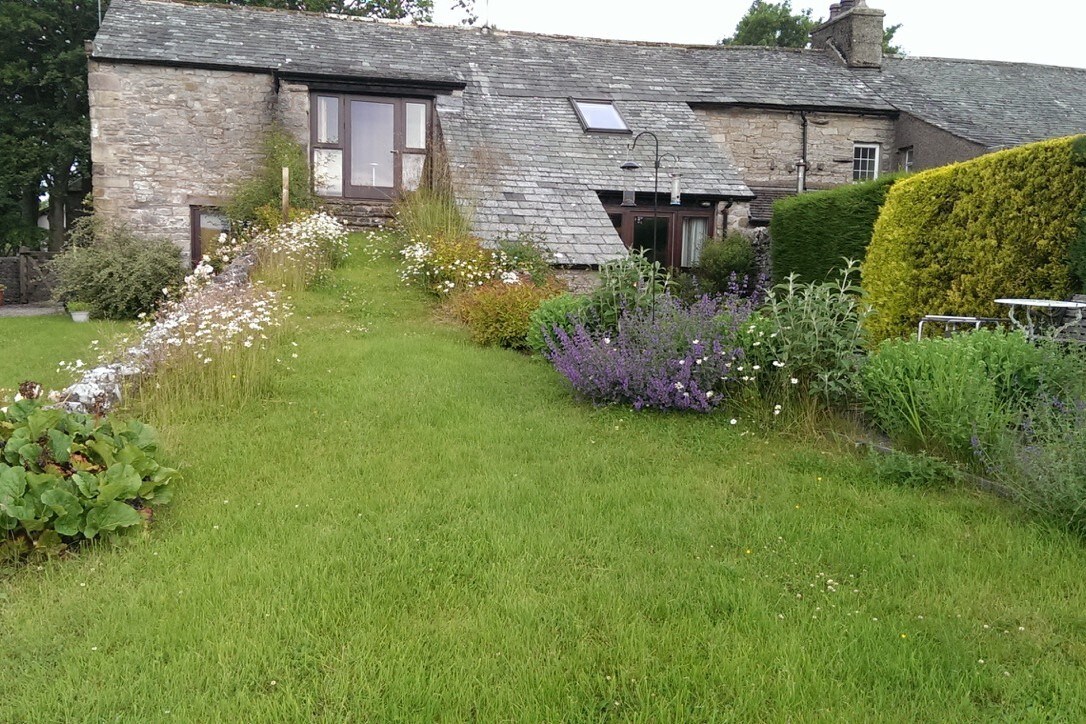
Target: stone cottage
{"x":532,"y":131}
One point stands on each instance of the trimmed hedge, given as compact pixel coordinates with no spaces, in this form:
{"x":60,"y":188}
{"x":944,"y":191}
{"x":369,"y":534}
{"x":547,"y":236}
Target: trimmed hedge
{"x":812,"y":234}
{"x":953,"y":239}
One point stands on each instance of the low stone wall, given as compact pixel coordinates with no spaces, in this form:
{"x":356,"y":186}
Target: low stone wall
{"x":101,"y":388}
{"x":9,"y":278}
{"x":580,"y":281}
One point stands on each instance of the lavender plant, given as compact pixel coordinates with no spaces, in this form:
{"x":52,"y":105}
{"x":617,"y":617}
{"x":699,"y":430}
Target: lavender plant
{"x":1046,"y":463}
{"x":682,"y":357}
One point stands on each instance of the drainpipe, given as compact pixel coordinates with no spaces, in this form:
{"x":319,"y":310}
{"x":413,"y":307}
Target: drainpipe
{"x":801,"y":167}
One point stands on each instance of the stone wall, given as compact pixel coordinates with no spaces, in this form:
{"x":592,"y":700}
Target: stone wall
{"x":765,"y":144}
{"x":292,"y":108}
{"x":579,"y":281}
{"x":164,"y":139}
{"x":932,"y":146}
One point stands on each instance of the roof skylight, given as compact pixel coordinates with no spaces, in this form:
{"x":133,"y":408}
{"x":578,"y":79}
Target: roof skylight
{"x":600,"y":116}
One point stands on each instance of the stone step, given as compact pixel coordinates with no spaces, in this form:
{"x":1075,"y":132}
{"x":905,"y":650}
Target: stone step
{"x":360,"y":215}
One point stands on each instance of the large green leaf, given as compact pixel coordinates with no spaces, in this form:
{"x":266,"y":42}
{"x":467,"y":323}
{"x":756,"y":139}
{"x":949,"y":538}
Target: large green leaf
{"x":41,"y":420}
{"x":30,"y":454}
{"x":39,"y":483}
{"x":111,"y":517}
{"x":69,"y":524}
{"x":154,"y":488}
{"x":62,"y":502}
{"x":18,"y":439}
{"x":87,"y":483}
{"x":12,"y":483}
{"x":104,"y":448}
{"x":118,"y":482}
{"x":60,"y":445}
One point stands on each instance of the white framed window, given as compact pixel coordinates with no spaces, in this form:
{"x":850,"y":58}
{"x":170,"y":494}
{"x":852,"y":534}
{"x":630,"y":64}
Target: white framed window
{"x":907,"y":159}
{"x":865,"y":161}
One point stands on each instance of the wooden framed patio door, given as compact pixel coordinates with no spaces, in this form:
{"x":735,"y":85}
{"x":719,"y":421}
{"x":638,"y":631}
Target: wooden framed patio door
{"x":369,"y":147}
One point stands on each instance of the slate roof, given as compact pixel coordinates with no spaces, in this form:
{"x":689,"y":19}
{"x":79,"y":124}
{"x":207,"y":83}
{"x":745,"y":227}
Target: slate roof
{"x":761,"y":208}
{"x":991,"y":103}
{"x":525,"y":165}
{"x":501,"y":63}
{"x":518,"y":154}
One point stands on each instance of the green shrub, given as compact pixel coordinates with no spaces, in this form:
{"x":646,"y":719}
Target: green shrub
{"x":627,"y":283}
{"x":956,"y":394}
{"x":914,"y":470}
{"x":448,"y":264}
{"x":728,"y":264}
{"x":1046,"y":466}
{"x":951,"y":240}
{"x":68,"y":477}
{"x":498,"y":313}
{"x":526,"y":255}
{"x":119,"y":274}
{"x":811,"y":233}
{"x":808,"y":340}
{"x":562,"y":312}
{"x":257,"y":200}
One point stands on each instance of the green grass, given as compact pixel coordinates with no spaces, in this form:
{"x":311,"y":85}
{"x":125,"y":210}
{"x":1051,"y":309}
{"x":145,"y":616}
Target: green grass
{"x":412,"y":528}
{"x":32,"y":347}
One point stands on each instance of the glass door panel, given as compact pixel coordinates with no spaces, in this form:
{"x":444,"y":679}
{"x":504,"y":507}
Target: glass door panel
{"x":413,"y":164}
{"x":652,"y":238}
{"x":373,"y":147}
{"x":417,"y":124}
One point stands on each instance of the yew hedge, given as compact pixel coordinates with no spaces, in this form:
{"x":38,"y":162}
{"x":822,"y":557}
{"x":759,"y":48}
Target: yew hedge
{"x":812,"y":234}
{"x":953,"y":239}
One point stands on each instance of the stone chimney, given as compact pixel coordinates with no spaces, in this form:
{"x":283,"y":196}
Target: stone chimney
{"x":854,"y":31}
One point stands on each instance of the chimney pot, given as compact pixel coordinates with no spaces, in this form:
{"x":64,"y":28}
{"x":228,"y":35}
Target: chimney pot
{"x":835,"y":10}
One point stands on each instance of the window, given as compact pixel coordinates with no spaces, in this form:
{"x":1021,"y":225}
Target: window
{"x":695,"y":232}
{"x":368,"y":147}
{"x":907,"y":159}
{"x":207,"y":223}
{"x":600,"y":116}
{"x":865,"y":161}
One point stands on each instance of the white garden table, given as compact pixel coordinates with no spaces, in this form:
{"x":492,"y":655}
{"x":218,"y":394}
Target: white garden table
{"x":1048,"y":307}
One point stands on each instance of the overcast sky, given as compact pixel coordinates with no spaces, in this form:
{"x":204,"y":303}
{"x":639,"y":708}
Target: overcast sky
{"x":1036,"y":32}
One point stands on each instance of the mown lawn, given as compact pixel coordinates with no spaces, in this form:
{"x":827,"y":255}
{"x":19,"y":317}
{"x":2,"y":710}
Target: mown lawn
{"x":32,"y":347}
{"x":412,"y":528}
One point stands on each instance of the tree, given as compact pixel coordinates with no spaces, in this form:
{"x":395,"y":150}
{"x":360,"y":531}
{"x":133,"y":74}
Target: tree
{"x":888,"y":47}
{"x":419,"y":10}
{"x":773,"y":24}
{"x":44,"y":129}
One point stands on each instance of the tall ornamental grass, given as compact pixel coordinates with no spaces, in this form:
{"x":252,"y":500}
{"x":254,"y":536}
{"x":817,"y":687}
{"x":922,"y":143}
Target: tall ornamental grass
{"x":430,"y":214}
{"x":214,"y":342}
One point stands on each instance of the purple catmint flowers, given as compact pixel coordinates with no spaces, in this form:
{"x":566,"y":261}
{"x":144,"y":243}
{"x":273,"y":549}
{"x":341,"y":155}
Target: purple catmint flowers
{"x":676,"y":357}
